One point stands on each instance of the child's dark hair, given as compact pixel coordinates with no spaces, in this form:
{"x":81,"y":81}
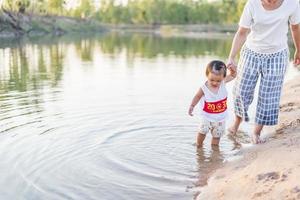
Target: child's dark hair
{"x":216,"y":67}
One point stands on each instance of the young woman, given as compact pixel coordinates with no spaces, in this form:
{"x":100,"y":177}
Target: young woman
{"x":262,"y":32}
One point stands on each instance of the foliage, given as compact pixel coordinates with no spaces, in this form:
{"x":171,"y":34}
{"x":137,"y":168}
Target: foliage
{"x":84,"y":10}
{"x":149,"y":12}
{"x":55,"y":6}
{"x":154,"y":12}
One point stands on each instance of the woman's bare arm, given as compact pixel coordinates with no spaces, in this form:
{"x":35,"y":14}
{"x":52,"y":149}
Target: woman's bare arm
{"x":238,"y":41}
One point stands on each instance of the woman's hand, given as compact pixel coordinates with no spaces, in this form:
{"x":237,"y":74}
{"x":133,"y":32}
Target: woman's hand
{"x":231,"y":65}
{"x":297,"y":58}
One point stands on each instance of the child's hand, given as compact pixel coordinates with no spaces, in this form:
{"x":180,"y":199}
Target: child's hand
{"x":191,"y":110}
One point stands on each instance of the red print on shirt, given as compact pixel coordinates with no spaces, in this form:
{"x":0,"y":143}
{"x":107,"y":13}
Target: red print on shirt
{"x":215,"y":107}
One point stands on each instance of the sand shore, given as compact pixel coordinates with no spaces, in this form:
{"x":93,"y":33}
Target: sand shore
{"x":266,"y":171}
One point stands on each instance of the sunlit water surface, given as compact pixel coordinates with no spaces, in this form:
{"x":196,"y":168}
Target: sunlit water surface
{"x":105,"y":117}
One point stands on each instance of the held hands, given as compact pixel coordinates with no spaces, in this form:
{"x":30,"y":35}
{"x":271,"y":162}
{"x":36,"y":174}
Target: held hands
{"x":232,"y":72}
{"x":231,"y":65}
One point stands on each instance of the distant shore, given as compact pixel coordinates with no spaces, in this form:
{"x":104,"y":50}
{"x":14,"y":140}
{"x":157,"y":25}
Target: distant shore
{"x":16,"y":25}
{"x":266,"y":171}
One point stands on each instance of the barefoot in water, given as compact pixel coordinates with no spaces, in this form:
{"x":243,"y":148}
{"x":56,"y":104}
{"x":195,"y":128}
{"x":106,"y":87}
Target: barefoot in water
{"x":232,"y":131}
{"x":256,"y":139}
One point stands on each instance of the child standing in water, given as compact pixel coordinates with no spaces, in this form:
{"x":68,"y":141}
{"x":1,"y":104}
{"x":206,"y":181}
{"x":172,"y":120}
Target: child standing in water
{"x":213,"y":98}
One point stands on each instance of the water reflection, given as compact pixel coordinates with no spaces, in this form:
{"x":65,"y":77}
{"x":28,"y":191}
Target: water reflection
{"x":209,"y":159}
{"x":85,"y":49}
{"x":25,"y":68}
{"x":151,"y":46}
{"x":56,"y":63}
{"x":29,"y":63}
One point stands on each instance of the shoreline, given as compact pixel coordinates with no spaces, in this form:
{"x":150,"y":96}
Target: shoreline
{"x":173,"y":29}
{"x":266,"y":171}
{"x":16,"y":25}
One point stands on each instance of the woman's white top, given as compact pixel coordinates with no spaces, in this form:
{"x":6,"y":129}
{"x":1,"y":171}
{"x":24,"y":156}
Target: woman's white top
{"x":214,"y":105}
{"x":269,"y":28}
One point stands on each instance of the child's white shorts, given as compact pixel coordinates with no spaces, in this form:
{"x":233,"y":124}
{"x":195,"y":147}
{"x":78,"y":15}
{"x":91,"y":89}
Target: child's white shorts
{"x":217,"y":129}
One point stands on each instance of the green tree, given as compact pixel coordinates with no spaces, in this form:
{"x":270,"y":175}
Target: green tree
{"x":55,"y":6}
{"x":151,"y":12}
{"x":85,"y":9}
{"x":19,"y":5}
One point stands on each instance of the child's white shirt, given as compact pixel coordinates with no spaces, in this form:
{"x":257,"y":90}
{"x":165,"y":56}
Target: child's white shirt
{"x":214,"y":105}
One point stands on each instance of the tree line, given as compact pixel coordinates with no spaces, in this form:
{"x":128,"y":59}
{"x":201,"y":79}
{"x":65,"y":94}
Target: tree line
{"x":148,"y":12}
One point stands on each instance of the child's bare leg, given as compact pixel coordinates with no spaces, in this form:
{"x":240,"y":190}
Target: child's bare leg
{"x":235,"y":126}
{"x":215,"y":148}
{"x":200,"y":139}
{"x":215,"y":141}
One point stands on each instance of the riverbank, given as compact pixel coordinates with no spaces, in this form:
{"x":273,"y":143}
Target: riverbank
{"x":14,"y":24}
{"x":267,"y":171}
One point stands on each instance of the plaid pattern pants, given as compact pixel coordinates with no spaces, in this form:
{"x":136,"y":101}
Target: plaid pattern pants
{"x":271,"y":69}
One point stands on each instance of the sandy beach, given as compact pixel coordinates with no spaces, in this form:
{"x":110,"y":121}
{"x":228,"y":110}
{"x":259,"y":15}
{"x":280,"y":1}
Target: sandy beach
{"x":266,"y":171}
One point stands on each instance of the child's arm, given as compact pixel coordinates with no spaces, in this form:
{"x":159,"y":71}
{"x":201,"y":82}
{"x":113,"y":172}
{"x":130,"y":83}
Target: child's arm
{"x":230,"y":76}
{"x":195,"y":100}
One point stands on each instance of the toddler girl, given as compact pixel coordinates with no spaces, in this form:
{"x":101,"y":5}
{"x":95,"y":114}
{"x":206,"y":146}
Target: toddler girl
{"x":213,"y":98}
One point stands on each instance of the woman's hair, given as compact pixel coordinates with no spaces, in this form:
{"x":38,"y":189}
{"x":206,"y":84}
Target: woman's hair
{"x":217,"y":67}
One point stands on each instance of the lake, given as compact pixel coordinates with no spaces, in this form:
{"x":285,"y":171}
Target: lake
{"x":105,"y":117}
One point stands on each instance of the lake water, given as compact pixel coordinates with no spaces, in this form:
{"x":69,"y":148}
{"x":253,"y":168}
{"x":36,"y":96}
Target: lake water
{"x":105,"y":117}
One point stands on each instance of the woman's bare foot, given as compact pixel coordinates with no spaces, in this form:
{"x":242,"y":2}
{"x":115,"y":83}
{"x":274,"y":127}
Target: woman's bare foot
{"x":256,"y":139}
